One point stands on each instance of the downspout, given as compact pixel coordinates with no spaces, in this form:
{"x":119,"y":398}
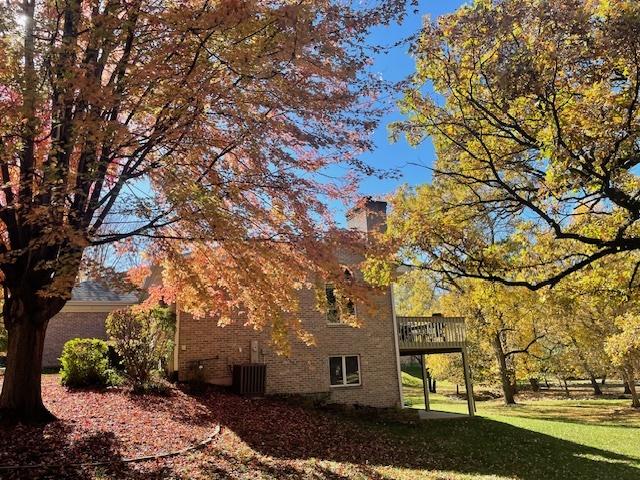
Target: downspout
{"x":397,"y":345}
{"x":176,"y":344}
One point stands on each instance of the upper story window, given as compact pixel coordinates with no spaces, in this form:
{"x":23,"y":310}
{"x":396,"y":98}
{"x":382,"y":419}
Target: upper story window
{"x":338,"y":307}
{"x":344,"y":371}
{"x":333,"y":314}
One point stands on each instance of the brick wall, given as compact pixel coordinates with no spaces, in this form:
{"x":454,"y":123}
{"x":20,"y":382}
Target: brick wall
{"x":306,"y":369}
{"x":67,"y":325}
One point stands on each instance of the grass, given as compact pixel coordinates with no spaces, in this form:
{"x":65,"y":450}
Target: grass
{"x":551,"y":439}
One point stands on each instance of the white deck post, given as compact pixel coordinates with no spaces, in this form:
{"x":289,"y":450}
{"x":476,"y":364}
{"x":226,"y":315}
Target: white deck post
{"x":396,"y":345}
{"x":467,"y":383}
{"x":425,"y":384}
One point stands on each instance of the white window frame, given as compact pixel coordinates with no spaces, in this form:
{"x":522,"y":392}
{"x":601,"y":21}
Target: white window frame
{"x":344,"y":372}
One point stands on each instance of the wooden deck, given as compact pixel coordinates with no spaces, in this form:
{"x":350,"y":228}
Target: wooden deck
{"x":423,"y":335}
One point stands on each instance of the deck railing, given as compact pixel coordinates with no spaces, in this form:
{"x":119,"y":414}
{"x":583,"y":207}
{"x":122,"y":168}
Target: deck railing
{"x":416,"y":333}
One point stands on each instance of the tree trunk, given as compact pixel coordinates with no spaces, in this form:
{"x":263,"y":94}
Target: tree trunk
{"x":535,"y":384}
{"x":504,"y":373}
{"x":604,"y":379}
{"x":513,"y":381}
{"x":594,"y":384}
{"x":635,"y":399}
{"x":566,"y":387}
{"x":631,"y":382}
{"x":26,"y":316}
{"x":585,"y":365}
{"x":627,"y":390}
{"x":38,"y":276}
{"x":21,"y":398}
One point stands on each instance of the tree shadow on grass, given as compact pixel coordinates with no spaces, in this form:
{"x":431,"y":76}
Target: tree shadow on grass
{"x":487,"y":446}
{"x":470,"y":446}
{"x":609,"y":422}
{"x":588,"y":415}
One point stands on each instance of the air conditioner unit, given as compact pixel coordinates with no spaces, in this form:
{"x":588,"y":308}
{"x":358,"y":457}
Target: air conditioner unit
{"x":249,"y":378}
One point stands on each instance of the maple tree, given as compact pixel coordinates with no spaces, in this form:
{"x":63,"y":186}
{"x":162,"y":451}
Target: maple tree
{"x":203,"y":131}
{"x":533,"y":109}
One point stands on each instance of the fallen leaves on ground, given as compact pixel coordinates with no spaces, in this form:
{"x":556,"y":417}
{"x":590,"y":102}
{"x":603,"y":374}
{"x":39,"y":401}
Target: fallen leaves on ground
{"x":260,"y":438}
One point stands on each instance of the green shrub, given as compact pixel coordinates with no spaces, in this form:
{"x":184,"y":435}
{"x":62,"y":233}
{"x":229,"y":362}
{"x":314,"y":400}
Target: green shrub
{"x":84,"y":364}
{"x":143,"y":340}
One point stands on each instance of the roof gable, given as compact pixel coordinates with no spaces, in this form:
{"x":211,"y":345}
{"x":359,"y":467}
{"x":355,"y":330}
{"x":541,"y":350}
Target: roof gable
{"x":92,"y":291}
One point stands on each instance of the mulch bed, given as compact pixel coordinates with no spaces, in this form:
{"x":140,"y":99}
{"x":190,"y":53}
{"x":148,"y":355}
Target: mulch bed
{"x":102,"y":426}
{"x":259,"y":438}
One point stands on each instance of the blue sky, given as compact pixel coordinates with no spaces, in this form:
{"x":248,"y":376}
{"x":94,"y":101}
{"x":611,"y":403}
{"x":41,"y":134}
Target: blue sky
{"x":395,"y":66}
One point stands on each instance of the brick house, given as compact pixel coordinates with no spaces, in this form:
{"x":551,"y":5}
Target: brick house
{"x":351,"y":365}
{"x":83,"y":316}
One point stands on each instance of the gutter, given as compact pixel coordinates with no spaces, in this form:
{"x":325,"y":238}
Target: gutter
{"x":93,"y":306}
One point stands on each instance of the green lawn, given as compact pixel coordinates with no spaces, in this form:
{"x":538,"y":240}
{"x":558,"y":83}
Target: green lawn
{"x":542,"y":439}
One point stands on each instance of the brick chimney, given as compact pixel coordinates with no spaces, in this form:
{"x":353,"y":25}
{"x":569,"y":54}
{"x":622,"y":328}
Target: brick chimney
{"x":368,"y":216}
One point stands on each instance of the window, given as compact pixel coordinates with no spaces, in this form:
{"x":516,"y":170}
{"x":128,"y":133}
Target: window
{"x":333,"y":314}
{"x":333,"y":306}
{"x":344,"y":370}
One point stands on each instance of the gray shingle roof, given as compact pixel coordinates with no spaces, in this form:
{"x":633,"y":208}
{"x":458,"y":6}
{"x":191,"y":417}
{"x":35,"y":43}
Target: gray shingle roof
{"x":92,"y":291}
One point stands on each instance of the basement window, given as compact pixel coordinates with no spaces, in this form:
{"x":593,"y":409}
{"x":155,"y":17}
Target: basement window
{"x":344,"y":371}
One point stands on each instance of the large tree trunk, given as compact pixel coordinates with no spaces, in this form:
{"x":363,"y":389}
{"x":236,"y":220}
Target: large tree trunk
{"x":594,"y":384}
{"x":504,"y":373}
{"x":21,"y":398}
{"x":26,"y":316}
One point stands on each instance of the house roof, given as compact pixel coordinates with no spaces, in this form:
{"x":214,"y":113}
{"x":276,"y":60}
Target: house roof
{"x":91,"y":291}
